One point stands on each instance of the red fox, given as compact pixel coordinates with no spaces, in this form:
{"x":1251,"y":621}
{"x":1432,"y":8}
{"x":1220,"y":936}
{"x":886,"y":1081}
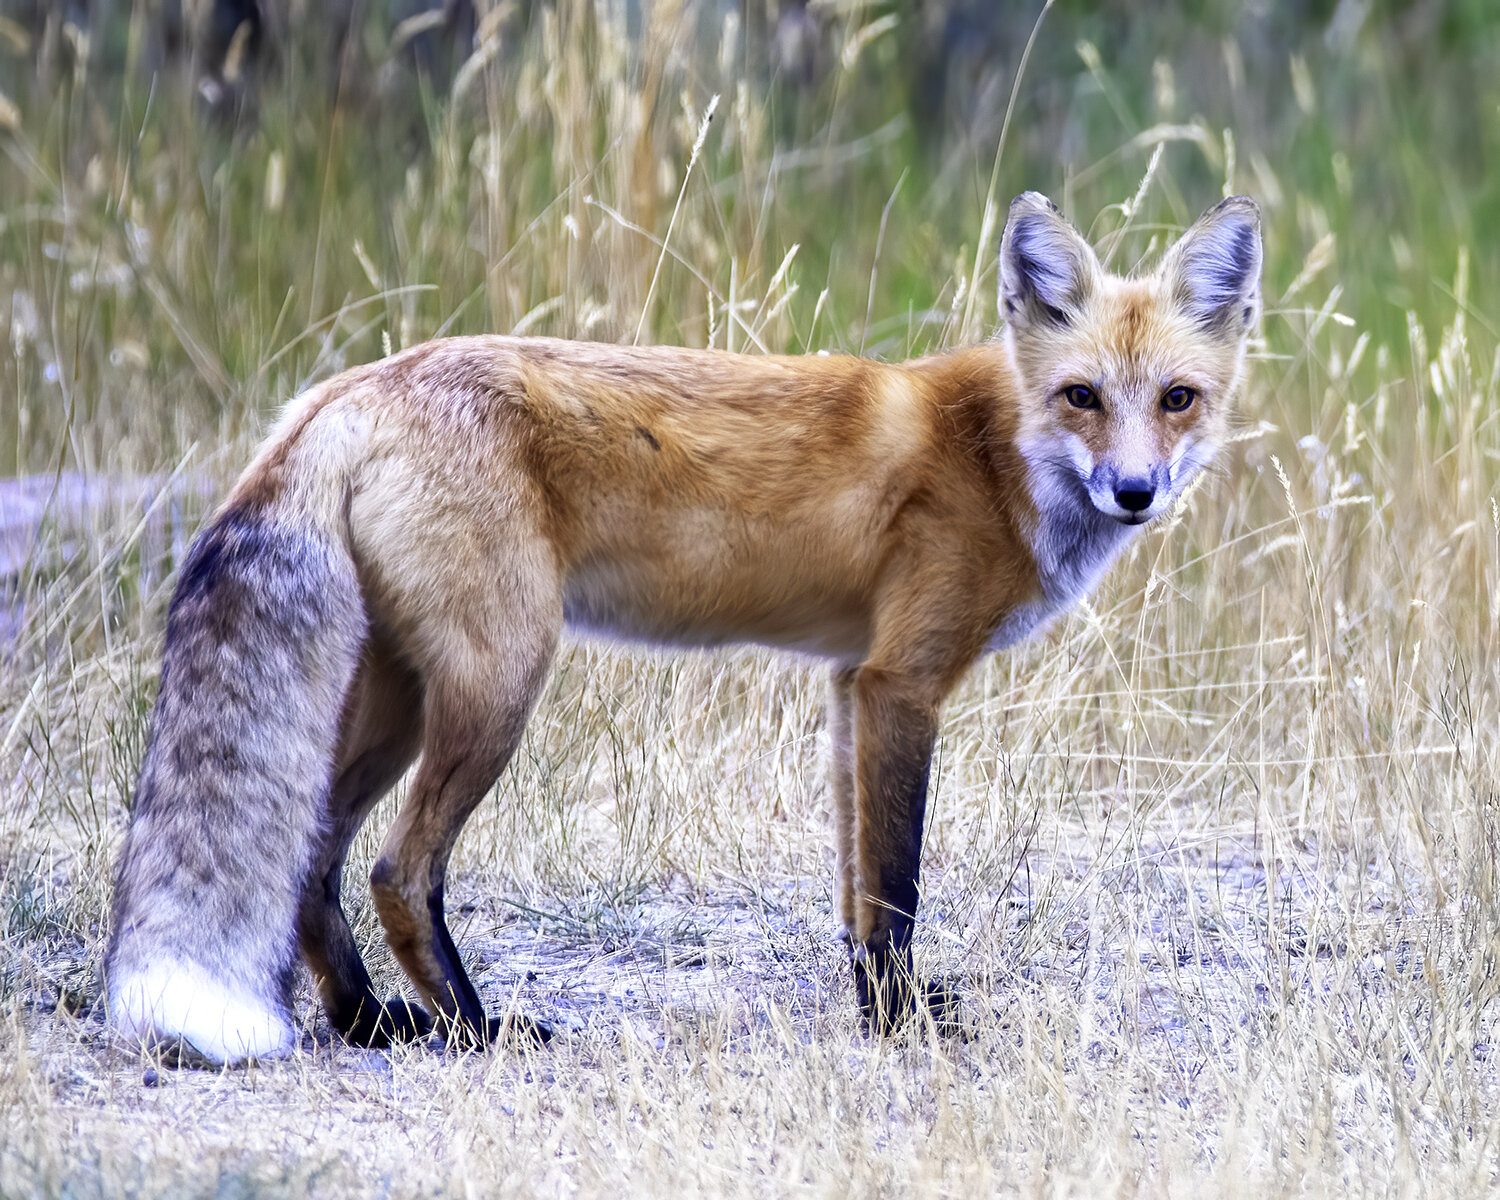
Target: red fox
{"x":388,"y":580}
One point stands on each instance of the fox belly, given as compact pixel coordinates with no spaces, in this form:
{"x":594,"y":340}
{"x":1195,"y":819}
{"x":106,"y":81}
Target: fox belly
{"x":719,"y":599}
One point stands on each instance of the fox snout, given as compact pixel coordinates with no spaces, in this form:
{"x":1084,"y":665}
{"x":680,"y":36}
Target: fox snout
{"x":1131,"y":496}
{"x":1135,"y":495}
{"x":1125,"y":475}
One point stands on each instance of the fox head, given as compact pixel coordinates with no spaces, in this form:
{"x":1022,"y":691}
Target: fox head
{"x":1126,"y":383}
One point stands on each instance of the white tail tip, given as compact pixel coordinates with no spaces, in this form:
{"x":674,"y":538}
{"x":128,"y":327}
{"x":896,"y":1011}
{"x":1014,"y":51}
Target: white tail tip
{"x":182,"y":1002}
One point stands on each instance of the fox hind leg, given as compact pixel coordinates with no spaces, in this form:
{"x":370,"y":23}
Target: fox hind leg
{"x":382,"y":727}
{"x":467,"y":745}
{"x":478,"y":696}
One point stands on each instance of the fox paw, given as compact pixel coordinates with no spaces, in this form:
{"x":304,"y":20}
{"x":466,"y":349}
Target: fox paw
{"x":518,"y":1030}
{"x":892,"y":1001}
{"x":514,"y":1030}
{"x":380,"y":1025}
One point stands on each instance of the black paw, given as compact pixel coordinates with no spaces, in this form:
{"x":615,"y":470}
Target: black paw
{"x":517,"y":1030}
{"x":883,"y":986}
{"x":377,"y":1026}
{"x":940,"y":1005}
{"x":893,"y":1002}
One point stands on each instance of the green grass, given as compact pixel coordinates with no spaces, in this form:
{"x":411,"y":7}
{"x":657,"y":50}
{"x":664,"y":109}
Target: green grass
{"x":1214,"y":863}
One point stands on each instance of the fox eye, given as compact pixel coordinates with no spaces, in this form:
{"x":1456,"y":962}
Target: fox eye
{"x":1178,"y":398}
{"x":1080,"y":396}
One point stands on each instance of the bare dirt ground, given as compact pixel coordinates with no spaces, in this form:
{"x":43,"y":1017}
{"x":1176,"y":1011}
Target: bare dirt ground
{"x":1166,"y":994}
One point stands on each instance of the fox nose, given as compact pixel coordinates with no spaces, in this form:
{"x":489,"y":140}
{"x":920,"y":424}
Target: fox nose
{"x":1134,"y":495}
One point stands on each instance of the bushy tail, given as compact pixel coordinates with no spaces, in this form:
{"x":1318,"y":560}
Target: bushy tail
{"x":263,"y":636}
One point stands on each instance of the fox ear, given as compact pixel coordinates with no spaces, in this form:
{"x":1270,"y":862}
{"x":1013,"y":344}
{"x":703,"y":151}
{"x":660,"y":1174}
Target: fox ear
{"x":1214,"y":269}
{"x":1047,"y":271}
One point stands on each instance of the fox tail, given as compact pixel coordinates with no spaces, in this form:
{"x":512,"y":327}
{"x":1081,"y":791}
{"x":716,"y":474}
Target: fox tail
{"x":263,"y":636}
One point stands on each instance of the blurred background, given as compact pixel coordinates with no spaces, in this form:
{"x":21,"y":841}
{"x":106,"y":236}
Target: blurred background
{"x":204,"y":204}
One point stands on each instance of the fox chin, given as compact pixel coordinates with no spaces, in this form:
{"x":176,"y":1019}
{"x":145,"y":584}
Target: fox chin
{"x":387,"y":583}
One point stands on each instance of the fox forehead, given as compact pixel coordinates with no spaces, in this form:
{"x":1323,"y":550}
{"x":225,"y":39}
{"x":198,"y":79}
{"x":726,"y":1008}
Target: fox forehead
{"x":1132,"y":338}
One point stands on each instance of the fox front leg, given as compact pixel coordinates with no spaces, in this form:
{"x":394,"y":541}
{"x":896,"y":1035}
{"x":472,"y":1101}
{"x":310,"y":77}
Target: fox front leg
{"x":894,"y":725}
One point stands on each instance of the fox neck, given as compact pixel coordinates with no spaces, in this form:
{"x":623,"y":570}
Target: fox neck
{"x":1072,"y":542}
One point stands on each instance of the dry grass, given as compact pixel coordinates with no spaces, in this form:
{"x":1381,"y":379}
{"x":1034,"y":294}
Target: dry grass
{"x":1214,"y":864}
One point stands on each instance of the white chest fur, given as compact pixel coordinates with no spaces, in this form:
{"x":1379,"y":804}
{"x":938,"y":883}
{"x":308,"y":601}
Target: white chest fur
{"x":1073,"y":544}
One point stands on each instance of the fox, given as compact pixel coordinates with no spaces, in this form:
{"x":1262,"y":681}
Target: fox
{"x":389,"y":579}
